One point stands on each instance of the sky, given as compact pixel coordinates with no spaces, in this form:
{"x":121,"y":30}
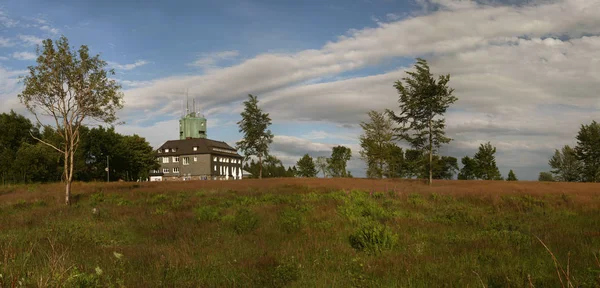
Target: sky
{"x":526,"y":72}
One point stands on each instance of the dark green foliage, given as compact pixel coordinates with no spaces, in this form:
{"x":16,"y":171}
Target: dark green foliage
{"x":306,"y":167}
{"x":376,"y":143}
{"x":511,"y":176}
{"x":486,"y":163}
{"x":15,"y":133}
{"x":565,"y":165}
{"x":588,"y":151}
{"x":467,"y":172}
{"x":423,"y":101}
{"x":272,"y":168}
{"x":245,"y":221}
{"x":373,"y":237}
{"x":395,"y":163}
{"x":546,"y":176}
{"x":444,"y":167}
{"x":481,"y":166}
{"x":336,"y":164}
{"x":257,"y":137}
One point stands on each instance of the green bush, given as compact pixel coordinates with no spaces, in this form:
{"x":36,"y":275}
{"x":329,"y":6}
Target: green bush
{"x":373,"y":237}
{"x":291,"y":220}
{"x":208,"y":213}
{"x":359,"y":206}
{"x":245,"y":221}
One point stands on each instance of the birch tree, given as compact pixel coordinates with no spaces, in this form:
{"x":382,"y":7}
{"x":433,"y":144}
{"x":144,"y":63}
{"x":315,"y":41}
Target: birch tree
{"x":70,"y":87}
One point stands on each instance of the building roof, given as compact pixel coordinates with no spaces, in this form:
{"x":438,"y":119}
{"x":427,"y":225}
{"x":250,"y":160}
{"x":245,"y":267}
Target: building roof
{"x":204,"y":146}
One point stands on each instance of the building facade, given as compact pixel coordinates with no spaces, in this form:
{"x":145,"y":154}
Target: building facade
{"x":194,"y":157}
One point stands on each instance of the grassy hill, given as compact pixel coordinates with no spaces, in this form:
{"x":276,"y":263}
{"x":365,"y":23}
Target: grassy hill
{"x":301,"y":233}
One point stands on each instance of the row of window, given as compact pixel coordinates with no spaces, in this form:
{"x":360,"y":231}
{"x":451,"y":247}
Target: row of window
{"x":167,"y":150}
{"x":227,"y":160}
{"x":186,"y":160}
{"x":176,"y":170}
{"x":172,"y":150}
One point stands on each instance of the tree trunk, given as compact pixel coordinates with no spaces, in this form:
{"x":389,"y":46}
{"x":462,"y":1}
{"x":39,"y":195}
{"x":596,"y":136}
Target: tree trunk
{"x":259,"y":167}
{"x":68,"y":194}
{"x":430,"y":154}
{"x":66,"y":178}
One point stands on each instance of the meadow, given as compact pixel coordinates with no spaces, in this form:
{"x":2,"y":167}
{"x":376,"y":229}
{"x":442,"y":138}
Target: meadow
{"x":301,"y":233}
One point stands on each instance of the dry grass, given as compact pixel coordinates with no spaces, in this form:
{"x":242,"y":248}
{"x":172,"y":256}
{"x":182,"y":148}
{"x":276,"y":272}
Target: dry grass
{"x":295,"y":232}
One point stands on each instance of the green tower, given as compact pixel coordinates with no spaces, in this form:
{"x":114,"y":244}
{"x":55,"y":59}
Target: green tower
{"x":192,"y":125}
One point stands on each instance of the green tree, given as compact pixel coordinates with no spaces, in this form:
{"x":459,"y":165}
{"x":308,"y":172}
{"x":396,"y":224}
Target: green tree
{"x":565,"y":165}
{"x":306,"y":167}
{"x":486,"y":163}
{"x":467,"y":172}
{"x":511,"y":176}
{"x":395,"y":164}
{"x":423,"y":101}
{"x":257,"y":138}
{"x":321,"y":164}
{"x":16,"y":130}
{"x":36,"y":163}
{"x":375,"y":142}
{"x":414,"y":161}
{"x":588,"y":151}
{"x":546,"y":176}
{"x":337,"y":163}
{"x":444,"y":167}
{"x":71,"y":87}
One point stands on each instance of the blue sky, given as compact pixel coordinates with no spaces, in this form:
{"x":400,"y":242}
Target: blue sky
{"x":525,"y":72}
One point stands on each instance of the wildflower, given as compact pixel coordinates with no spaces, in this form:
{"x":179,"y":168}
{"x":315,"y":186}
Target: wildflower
{"x":98,"y":271}
{"x":118,"y":255}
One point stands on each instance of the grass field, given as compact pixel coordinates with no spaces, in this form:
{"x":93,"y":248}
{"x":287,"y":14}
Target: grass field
{"x":301,"y":233}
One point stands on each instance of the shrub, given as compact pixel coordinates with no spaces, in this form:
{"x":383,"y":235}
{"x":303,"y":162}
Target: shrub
{"x":359,"y":205}
{"x":245,"y":221}
{"x":373,"y":237}
{"x":291,"y":220}
{"x":96,"y":198}
{"x":208,"y":213}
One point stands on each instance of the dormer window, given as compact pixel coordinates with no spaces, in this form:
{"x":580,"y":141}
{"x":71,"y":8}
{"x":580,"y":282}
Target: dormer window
{"x":159,"y":151}
{"x":195,"y":148}
{"x":167,"y":150}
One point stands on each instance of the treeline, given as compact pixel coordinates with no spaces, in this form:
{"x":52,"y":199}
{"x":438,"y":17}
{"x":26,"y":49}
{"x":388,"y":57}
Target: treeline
{"x":307,"y":166}
{"x":23,"y":159}
{"x":578,"y":164}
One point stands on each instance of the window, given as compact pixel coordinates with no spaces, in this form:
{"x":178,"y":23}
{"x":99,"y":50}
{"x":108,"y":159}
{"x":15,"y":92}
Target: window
{"x":165,"y":159}
{"x":173,"y":150}
{"x":215,"y":167}
{"x":175,"y":159}
{"x":155,"y":171}
{"x":158,"y":150}
{"x":186,"y":160}
{"x":215,"y":160}
{"x":165,"y":170}
{"x":195,"y":148}
{"x":195,"y":159}
{"x":167,"y":150}
{"x":176,"y":170}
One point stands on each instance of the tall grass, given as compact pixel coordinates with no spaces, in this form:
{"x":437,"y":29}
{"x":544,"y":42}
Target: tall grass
{"x":301,"y":233}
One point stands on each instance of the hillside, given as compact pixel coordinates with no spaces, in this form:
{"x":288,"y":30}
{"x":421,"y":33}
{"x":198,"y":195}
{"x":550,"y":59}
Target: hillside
{"x":301,"y":233}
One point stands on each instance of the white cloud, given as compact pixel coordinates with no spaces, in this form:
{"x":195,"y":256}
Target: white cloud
{"x":24,"y":55}
{"x":210,"y":60}
{"x":6,"y":42}
{"x":6,"y":20}
{"x":49,"y":29}
{"x":131,"y":66}
{"x":30,"y":40}
{"x":3,"y":58}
